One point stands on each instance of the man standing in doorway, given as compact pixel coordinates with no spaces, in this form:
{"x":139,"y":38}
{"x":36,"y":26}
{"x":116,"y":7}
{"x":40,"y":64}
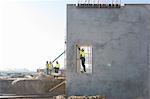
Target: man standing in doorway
{"x":82,"y":57}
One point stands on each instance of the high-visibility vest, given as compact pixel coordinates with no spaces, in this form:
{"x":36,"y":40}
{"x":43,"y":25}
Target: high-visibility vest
{"x":57,"y":65}
{"x":82,"y":54}
{"x":49,"y":66}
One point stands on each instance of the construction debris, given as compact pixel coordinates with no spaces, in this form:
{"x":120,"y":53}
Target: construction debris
{"x":80,"y":97}
{"x":59,"y":97}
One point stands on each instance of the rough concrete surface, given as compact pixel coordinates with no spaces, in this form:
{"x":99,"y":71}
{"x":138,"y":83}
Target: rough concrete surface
{"x":120,"y":37}
{"x":34,"y":86}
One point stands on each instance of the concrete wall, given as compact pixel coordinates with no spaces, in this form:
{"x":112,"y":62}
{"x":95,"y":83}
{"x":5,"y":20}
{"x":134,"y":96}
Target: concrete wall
{"x":120,"y":37}
{"x":28,"y":86}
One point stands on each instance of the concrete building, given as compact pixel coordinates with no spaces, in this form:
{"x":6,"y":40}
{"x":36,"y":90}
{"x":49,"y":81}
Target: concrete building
{"x":120,"y":42}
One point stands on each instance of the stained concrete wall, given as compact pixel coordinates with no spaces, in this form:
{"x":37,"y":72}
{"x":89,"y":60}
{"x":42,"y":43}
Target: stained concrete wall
{"x":120,"y":37}
{"x":29,"y":86}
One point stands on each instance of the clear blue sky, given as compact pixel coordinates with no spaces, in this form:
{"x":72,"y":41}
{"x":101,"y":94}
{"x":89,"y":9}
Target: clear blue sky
{"x":33,"y":31}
